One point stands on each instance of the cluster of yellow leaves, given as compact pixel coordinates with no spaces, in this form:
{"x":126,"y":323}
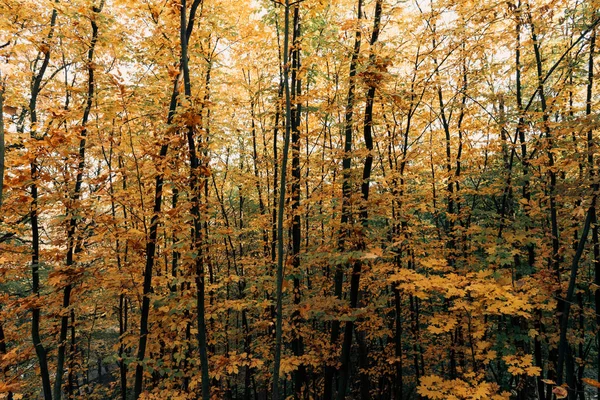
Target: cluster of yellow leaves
{"x":521,"y":365}
{"x":441,"y":324}
{"x":290,"y":364}
{"x":423,"y":286}
{"x":494,"y":295}
{"x":484,"y":354}
{"x":436,"y":388}
{"x":497,"y":296}
{"x":231,"y":363}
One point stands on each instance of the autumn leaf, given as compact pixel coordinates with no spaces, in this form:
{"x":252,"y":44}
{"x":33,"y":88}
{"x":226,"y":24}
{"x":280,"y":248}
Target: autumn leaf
{"x":560,"y":392}
{"x":591,"y":382}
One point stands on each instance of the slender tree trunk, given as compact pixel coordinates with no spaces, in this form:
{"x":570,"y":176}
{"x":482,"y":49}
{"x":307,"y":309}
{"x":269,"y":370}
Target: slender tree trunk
{"x":281,"y":207}
{"x":296,"y":87}
{"x":2,"y":336}
{"x":40,"y":350}
{"x":122,"y":331}
{"x":275,"y":208}
{"x":3,"y":351}
{"x":196,"y":173}
{"x":261,"y":203}
{"x":555,"y":372}
{"x":399,"y":383}
{"x":35,"y":260}
{"x":2,"y":146}
{"x":564,"y":318}
{"x":365,"y":186}
{"x":591,"y":216}
{"x":346,"y":217}
{"x":580,"y":348}
{"x":174,"y":254}
{"x":74,"y":212}
{"x":153,"y":231}
{"x":122,"y":305}
{"x":526,"y":193}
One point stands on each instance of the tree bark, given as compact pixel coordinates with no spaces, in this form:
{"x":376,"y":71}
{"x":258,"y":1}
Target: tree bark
{"x":196,"y":191}
{"x":154,"y":222}
{"x":281,"y":207}
{"x":73,"y":211}
{"x":40,"y":350}
{"x":346,"y":217}
{"x":364,"y":208}
{"x":296,"y":87}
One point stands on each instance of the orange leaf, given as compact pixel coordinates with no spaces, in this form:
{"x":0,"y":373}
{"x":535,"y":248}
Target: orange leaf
{"x":560,"y":392}
{"x":591,"y":382}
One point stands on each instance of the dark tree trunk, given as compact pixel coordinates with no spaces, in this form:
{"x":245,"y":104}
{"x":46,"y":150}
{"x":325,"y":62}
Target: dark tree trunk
{"x":346,"y":217}
{"x":73,"y":211}
{"x":196,"y":174}
{"x":365,"y":186}
{"x":296,"y":87}
{"x":281,"y":209}
{"x":154,"y":222}
{"x":40,"y":350}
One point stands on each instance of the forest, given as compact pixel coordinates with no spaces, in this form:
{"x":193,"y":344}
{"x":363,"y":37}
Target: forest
{"x":299,"y":199}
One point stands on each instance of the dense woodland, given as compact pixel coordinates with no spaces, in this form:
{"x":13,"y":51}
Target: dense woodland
{"x":299,"y":199}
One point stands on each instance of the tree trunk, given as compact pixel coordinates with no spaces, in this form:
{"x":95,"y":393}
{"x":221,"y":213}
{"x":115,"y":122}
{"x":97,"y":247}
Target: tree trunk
{"x":346,"y":218}
{"x":196,"y":190}
{"x":296,"y":87}
{"x":365,"y":185}
{"x":281,"y":208}
{"x":73,"y":211}
{"x":40,"y":350}
{"x":153,"y":232}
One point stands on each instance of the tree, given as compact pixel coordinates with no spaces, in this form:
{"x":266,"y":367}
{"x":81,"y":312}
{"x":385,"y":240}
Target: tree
{"x":349,"y":199}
